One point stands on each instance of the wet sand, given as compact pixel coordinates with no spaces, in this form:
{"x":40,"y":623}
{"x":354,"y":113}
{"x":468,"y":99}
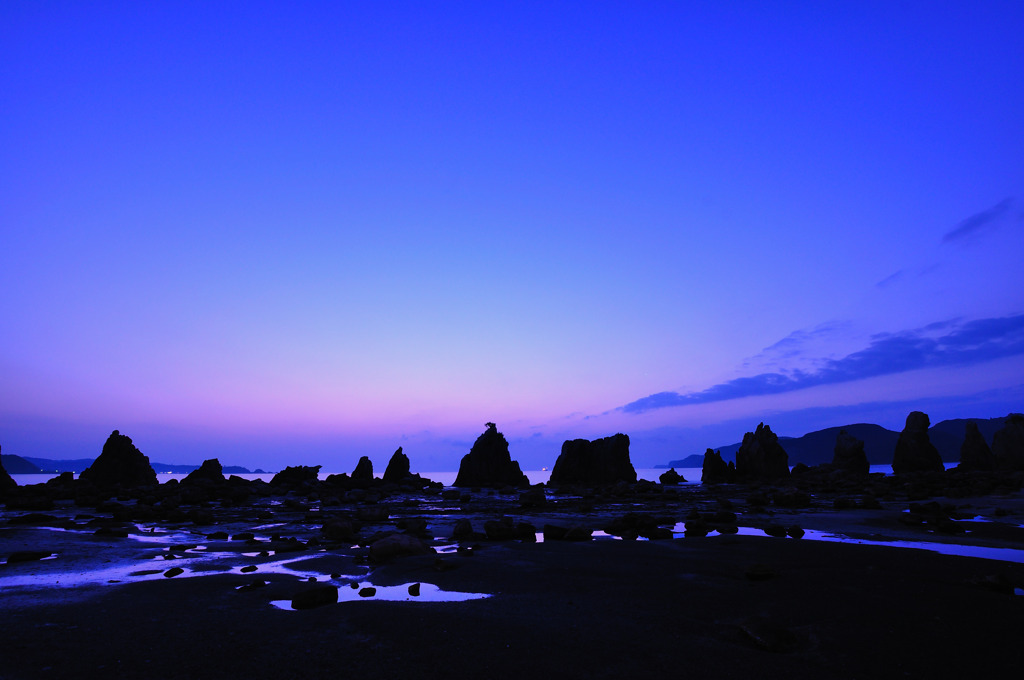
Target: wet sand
{"x":718,"y":606}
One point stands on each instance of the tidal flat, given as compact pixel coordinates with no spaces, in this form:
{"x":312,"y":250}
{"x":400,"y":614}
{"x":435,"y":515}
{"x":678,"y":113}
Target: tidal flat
{"x":703,"y":581}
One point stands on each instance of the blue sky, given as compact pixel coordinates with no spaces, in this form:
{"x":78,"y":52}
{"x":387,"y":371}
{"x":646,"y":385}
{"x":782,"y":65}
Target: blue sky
{"x":299,"y":235}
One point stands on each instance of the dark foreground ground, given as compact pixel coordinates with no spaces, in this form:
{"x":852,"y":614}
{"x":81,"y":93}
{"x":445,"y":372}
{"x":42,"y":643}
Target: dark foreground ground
{"x":717,"y":606}
{"x":604,"y":609}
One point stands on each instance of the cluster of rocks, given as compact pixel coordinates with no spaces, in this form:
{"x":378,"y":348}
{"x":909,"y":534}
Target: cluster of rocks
{"x":762,"y":460}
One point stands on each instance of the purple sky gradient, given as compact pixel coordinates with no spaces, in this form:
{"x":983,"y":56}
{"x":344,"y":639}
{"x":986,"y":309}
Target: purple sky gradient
{"x":284,"y":235}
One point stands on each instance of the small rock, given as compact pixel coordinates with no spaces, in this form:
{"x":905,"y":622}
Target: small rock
{"x":173,"y":571}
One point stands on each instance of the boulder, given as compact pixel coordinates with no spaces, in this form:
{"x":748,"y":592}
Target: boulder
{"x":489,"y":463}
{"x":914,"y":451}
{"x":119,"y":464}
{"x":1008,"y":443}
{"x":761,"y":457}
{"x":600,"y":462}
{"x":715,"y":470}
{"x":849,"y":455}
{"x":534,"y":497}
{"x":397,"y":545}
{"x":398,"y":467}
{"x":974,"y":452}
{"x":671,"y":477}
{"x":295,"y":475}
{"x":209,"y":471}
{"x":363,"y":471}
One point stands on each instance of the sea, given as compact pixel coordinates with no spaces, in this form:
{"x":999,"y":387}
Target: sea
{"x":447,"y":478}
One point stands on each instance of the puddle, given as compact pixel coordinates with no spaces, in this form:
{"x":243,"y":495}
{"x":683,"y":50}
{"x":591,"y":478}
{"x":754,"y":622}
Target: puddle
{"x":957,"y":549}
{"x":428,"y":593}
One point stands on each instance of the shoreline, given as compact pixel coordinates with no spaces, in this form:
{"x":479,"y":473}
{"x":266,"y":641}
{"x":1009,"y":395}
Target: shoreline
{"x":702,"y":594}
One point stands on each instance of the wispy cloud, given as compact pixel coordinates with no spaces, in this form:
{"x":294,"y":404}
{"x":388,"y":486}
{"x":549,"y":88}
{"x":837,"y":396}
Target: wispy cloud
{"x":945,"y":343}
{"x":804,"y":348}
{"x":891,"y":279}
{"x":976,"y":224}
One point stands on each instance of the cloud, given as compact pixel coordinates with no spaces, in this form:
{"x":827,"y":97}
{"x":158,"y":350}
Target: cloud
{"x":945,"y":343}
{"x":891,"y":279}
{"x":975,"y":224}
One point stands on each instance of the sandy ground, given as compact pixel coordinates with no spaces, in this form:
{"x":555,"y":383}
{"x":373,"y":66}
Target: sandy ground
{"x":720,"y":606}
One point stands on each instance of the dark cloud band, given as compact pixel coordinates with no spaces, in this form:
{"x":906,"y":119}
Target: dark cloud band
{"x":961,"y":344}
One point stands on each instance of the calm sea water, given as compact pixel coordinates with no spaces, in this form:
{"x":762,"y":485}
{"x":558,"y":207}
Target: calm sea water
{"x":692,"y":475}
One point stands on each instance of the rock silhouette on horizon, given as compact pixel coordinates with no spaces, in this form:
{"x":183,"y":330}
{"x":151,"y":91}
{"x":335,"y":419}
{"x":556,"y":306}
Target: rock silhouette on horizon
{"x":7,"y":482}
{"x":975,"y":453}
{"x":120,"y":464}
{"x":715,"y":470}
{"x":1008,"y":443}
{"x":398,"y":467}
{"x":595,"y":463}
{"x":209,"y":471}
{"x":914,"y":450}
{"x":489,"y":464}
{"x":849,"y":455}
{"x":363,"y":471}
{"x":293,"y":475}
{"x":761,"y":457}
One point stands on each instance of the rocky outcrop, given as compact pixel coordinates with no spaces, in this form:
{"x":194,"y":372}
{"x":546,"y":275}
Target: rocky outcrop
{"x":489,"y":463}
{"x":1008,"y":443}
{"x":715,"y":470}
{"x":363,"y":471}
{"x":594,"y":463}
{"x":7,"y":482}
{"x":849,"y":455}
{"x":974,"y":452}
{"x":120,"y":464}
{"x":671,"y":477}
{"x":761,"y":457}
{"x":398,"y":467}
{"x":209,"y":472}
{"x":296,"y":475}
{"x":914,"y":451}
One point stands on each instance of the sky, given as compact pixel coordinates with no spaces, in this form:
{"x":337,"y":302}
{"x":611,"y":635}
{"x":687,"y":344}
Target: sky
{"x":299,"y":233}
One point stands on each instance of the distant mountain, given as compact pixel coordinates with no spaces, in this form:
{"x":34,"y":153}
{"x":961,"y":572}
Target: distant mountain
{"x":79,"y":464}
{"x":16,"y":465}
{"x":47,"y":465}
{"x":816,"y":447}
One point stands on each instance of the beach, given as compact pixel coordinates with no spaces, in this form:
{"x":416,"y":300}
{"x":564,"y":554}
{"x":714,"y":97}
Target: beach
{"x":724,"y":600}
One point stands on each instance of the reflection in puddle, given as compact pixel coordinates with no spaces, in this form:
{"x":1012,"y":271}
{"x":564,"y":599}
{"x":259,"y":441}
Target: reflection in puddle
{"x":427,"y":593}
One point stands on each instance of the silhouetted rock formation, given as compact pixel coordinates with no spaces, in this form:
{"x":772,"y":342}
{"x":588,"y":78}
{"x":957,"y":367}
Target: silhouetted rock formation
{"x":489,"y":463}
{"x":398,"y":467}
{"x":761,"y":457}
{"x":914,"y":452}
{"x":209,"y":472}
{"x":6,"y":481}
{"x":849,"y":454}
{"x":715,"y":470}
{"x":119,"y":464}
{"x":1008,"y":443}
{"x":363,"y":471}
{"x":293,"y":476}
{"x":671,"y":477}
{"x":594,"y":463}
{"x":974,"y":452}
